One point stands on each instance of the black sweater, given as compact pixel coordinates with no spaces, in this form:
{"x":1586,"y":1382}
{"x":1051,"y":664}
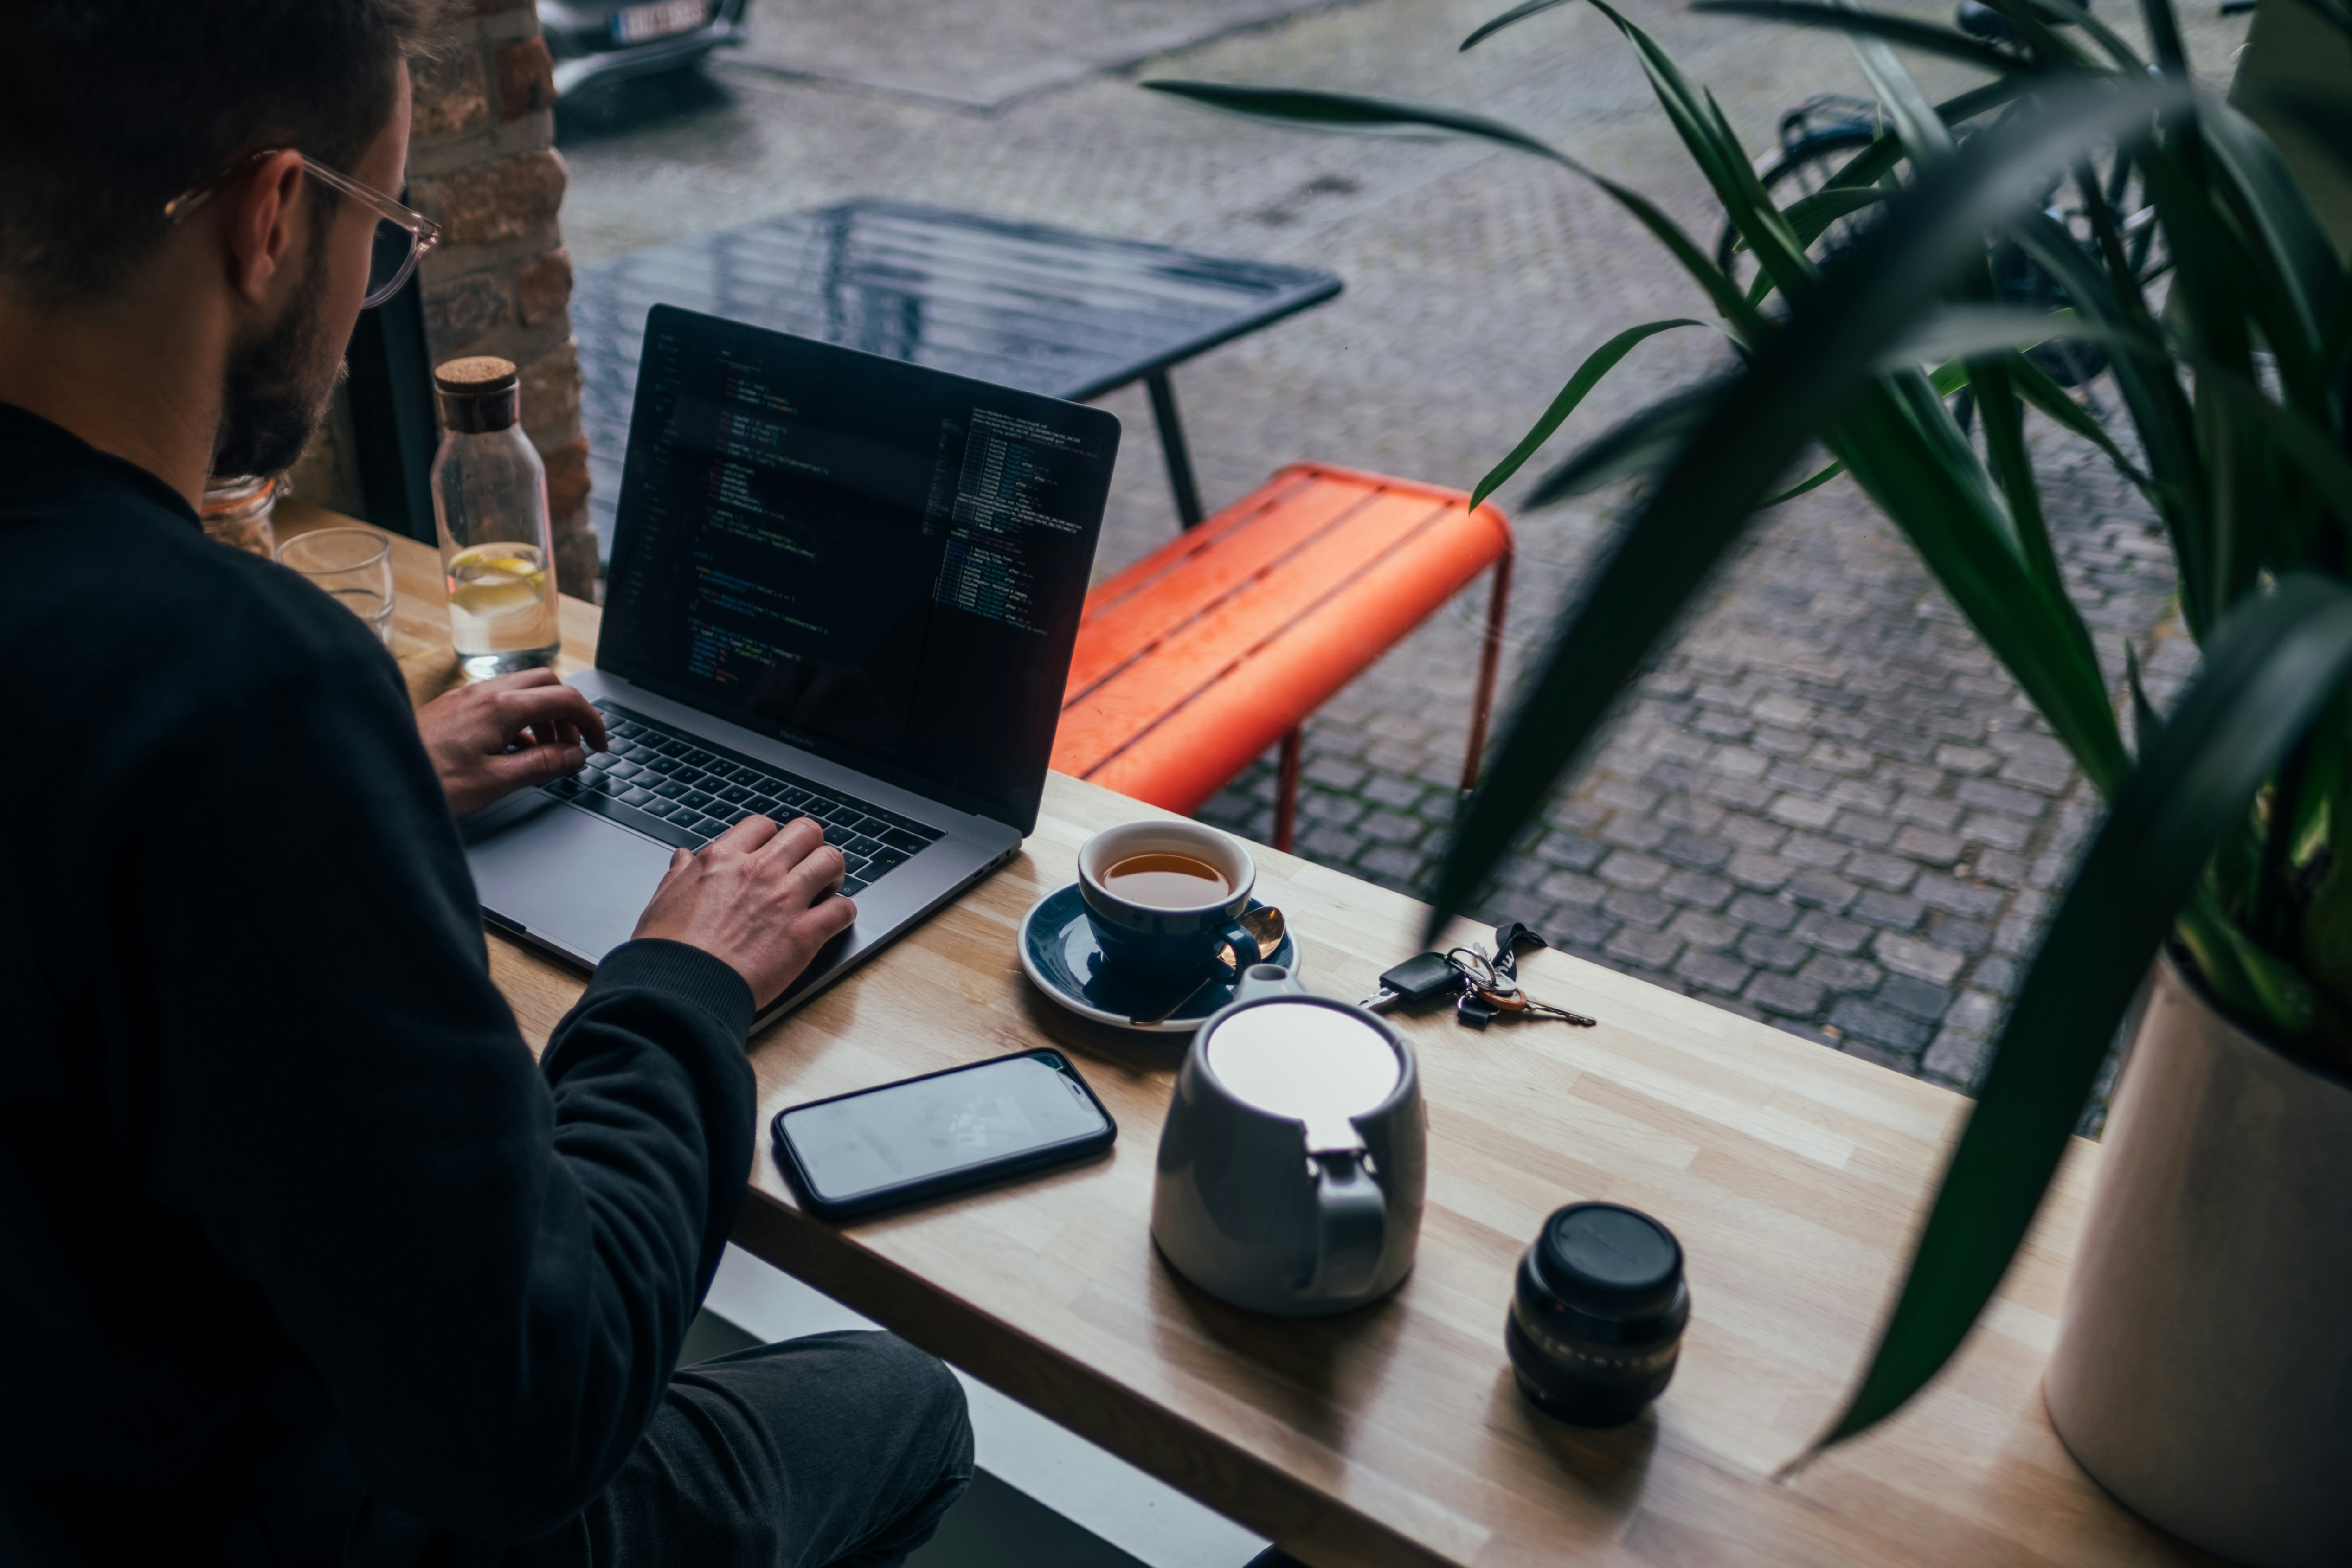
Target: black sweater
{"x":302,"y":1257}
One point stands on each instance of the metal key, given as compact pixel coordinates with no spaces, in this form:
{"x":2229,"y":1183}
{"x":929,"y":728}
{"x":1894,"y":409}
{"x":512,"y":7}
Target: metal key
{"x":1418,"y":979}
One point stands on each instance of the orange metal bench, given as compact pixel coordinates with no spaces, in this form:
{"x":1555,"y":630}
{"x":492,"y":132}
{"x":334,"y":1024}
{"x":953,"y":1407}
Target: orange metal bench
{"x":1195,"y":660}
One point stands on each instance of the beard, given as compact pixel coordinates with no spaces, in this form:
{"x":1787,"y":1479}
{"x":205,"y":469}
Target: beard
{"x":275,"y":393}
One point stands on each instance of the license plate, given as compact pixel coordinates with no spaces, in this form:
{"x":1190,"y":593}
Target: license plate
{"x":659,"y":20}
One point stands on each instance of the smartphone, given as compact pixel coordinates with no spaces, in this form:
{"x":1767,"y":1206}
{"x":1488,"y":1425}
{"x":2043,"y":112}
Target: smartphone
{"x":942,"y":1132}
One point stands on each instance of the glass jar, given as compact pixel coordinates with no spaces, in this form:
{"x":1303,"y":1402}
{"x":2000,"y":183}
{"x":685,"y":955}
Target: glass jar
{"x":489,"y":502}
{"x":235,"y":511}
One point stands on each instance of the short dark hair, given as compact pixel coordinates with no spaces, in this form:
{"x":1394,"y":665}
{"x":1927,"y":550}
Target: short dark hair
{"x":110,"y":108}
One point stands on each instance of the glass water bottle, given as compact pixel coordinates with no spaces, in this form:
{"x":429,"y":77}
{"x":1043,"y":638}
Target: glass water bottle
{"x":236,"y":513}
{"x":490,"y":499}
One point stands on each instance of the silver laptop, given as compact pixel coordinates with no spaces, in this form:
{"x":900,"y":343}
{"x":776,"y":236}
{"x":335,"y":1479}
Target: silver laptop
{"x":842,"y":587}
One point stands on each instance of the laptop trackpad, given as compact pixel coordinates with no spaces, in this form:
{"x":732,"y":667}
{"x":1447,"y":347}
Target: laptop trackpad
{"x":572,"y":880}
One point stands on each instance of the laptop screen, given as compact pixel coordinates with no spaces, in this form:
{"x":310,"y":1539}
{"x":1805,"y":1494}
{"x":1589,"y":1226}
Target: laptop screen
{"x":876,"y":561}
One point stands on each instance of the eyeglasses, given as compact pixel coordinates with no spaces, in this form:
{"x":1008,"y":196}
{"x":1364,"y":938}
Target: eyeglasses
{"x":403,"y":235}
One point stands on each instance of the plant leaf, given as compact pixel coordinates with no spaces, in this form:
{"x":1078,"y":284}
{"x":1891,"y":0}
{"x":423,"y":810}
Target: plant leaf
{"x":2323,"y":116}
{"x":1596,"y":364}
{"x":2160,"y":412}
{"x":2336,"y":339}
{"x":1819,"y":478}
{"x":1716,"y":150}
{"x":2147,"y":722}
{"x":1516,"y":14}
{"x":1753,"y":211}
{"x":1925,"y":137}
{"x":1309,"y":109}
{"x":1860,"y":173}
{"x":1349,"y":112}
{"x":2246,"y":982}
{"x":1810,"y":216}
{"x":2245,"y":242}
{"x":2121,"y":52}
{"x":1906,"y":451}
{"x":1800,"y":379}
{"x":2269,"y":671}
{"x":2164,"y":37}
{"x":2049,"y":50}
{"x":1883,"y":154}
{"x":1641,"y":444}
{"x":2296,"y":439}
{"x":2033,"y":385}
{"x":1960,"y":331}
{"x":1930,"y":37}
{"x":2012,"y":466}
{"x":2306,"y":259}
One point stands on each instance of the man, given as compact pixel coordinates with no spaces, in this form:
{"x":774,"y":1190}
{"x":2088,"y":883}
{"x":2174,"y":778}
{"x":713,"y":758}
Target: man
{"x":302,"y":1258}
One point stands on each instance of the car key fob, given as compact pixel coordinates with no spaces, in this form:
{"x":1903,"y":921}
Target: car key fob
{"x":1417,"y":979}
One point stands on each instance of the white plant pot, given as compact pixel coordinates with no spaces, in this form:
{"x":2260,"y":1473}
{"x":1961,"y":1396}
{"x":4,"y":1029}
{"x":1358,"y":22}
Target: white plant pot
{"x":2203,"y":1369}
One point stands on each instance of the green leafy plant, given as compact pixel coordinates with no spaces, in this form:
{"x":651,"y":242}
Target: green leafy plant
{"x":2229,"y":830}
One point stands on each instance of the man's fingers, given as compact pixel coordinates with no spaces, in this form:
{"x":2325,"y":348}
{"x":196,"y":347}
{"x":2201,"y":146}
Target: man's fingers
{"x":546,"y":708}
{"x":551,"y":734}
{"x":516,"y":680}
{"x":829,"y":918}
{"x":746,"y":836}
{"x":533,"y":765}
{"x":795,"y":840}
{"x":813,"y":875}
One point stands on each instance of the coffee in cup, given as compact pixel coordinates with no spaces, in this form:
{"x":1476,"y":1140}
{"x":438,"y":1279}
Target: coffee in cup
{"x":1163,"y":897}
{"x":1165,"y":880}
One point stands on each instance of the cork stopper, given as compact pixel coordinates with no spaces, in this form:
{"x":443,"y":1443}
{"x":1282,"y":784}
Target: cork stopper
{"x":478,"y":394}
{"x":476,"y":375}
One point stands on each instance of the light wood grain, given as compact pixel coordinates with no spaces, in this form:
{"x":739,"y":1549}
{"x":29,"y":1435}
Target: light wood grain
{"x":1392,"y":1435}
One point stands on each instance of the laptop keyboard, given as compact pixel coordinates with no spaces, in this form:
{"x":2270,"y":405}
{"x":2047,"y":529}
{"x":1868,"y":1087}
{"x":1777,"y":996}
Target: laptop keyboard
{"x":685,"y":790}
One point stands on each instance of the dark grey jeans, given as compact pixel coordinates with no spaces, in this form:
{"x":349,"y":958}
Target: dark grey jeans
{"x":834,"y":1451}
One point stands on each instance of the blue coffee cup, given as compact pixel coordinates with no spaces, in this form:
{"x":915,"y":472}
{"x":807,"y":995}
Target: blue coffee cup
{"x":1152,"y":941}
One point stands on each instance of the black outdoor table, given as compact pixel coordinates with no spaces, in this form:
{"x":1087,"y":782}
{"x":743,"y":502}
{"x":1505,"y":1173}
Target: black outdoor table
{"x":1046,"y":309}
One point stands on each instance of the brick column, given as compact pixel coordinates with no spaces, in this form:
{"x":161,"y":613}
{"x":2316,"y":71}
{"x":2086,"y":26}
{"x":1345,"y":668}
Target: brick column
{"x":482,"y":164}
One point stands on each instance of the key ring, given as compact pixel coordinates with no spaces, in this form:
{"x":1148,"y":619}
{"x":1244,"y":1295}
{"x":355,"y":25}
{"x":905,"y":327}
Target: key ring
{"x":1491,"y":983}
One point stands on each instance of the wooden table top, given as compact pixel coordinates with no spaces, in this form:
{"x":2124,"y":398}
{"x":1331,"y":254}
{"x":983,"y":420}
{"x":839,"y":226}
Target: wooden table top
{"x":1393,"y":1434}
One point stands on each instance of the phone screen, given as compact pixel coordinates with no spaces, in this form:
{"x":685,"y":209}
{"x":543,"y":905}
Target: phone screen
{"x":907,"y":1133}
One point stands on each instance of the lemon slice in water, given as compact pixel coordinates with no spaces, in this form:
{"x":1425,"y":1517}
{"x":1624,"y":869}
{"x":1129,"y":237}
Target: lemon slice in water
{"x":493,"y":586}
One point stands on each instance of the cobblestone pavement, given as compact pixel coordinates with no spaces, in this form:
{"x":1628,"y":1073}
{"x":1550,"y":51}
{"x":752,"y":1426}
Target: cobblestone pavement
{"x":1826,"y":807}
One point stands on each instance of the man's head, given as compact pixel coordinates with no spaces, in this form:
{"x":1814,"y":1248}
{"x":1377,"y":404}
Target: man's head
{"x":109,"y":108}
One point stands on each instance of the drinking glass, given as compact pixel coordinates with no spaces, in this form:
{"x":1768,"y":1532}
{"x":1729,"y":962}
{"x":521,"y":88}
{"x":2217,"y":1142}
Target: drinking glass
{"x":355,"y":565}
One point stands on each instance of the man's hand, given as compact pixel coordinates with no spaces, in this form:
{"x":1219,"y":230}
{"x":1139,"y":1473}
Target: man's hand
{"x":761,"y":898}
{"x":466,"y":734}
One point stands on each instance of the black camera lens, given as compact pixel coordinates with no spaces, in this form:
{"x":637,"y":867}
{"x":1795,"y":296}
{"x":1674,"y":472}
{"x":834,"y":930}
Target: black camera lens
{"x":1597,"y":1318}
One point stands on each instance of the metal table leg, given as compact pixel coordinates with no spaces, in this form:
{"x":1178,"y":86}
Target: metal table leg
{"x":1285,"y":793}
{"x":1490,"y":658}
{"x":1172,"y":447}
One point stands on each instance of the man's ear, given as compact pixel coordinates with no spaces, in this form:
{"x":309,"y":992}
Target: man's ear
{"x":260,"y":225}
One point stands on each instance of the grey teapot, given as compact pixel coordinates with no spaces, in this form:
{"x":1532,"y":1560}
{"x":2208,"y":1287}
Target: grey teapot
{"x":1295,"y":1153}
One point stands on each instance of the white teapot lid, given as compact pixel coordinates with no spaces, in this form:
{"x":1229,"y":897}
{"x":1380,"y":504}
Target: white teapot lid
{"x":1306,"y":1061}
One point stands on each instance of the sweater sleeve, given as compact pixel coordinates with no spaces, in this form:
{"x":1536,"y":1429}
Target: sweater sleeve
{"x":490,"y":1263}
